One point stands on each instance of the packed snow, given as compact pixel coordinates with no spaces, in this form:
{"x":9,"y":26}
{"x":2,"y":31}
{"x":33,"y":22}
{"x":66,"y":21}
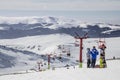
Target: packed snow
{"x":110,"y":73}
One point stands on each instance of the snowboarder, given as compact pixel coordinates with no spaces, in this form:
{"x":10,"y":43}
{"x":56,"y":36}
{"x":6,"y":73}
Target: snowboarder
{"x":94,"y":54}
{"x":88,"y":58}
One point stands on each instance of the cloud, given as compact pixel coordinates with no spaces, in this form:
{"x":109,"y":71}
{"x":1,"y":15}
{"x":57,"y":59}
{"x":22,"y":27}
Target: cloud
{"x":59,"y":4}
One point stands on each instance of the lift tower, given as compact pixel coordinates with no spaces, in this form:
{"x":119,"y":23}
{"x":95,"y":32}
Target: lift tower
{"x":81,"y":46}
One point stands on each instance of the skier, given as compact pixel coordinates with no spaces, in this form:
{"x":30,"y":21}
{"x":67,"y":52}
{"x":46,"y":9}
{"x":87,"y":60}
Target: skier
{"x":102,"y":55}
{"x":94,"y":54}
{"x":88,"y":58}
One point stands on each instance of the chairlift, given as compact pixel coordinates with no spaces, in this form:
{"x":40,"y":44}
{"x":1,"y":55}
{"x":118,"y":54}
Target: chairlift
{"x":63,"y":50}
{"x":53,"y":56}
{"x":68,"y":53}
{"x":60,"y":56}
{"x":76,"y":43}
{"x":59,"y":47}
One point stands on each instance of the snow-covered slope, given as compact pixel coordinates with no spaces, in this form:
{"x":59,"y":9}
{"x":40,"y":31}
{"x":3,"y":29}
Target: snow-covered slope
{"x":49,"y":43}
{"x":110,"y":73}
{"x":27,"y":51}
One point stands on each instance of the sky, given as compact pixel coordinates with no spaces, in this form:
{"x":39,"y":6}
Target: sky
{"x":87,"y":10}
{"x":60,"y":5}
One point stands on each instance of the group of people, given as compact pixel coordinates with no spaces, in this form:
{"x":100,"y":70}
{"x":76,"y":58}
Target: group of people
{"x":92,"y":56}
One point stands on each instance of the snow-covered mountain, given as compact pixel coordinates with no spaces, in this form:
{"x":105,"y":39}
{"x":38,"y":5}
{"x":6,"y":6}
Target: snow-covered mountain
{"x":25,"y":41}
{"x":15,"y":27}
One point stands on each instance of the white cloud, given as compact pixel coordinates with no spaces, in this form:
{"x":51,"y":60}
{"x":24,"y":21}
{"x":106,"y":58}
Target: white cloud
{"x":59,"y":4}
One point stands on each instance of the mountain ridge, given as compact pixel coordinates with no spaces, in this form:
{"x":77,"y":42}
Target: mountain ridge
{"x":15,"y":27}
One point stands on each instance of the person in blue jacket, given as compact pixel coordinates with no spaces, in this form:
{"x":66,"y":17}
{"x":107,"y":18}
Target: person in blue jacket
{"x":94,"y":53}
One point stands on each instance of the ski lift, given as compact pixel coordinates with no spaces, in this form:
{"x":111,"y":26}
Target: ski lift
{"x":60,"y":56}
{"x":59,"y":47}
{"x":68,"y":53}
{"x":76,"y":43}
{"x":53,"y":56}
{"x":39,"y":65}
{"x":63,"y":50}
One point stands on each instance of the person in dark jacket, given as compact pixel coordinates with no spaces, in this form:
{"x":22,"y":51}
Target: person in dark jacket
{"x":88,"y":58}
{"x":94,"y":53}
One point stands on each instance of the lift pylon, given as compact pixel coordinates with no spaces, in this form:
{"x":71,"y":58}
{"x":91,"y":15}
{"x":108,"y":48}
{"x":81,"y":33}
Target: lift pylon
{"x":81,"y":46}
